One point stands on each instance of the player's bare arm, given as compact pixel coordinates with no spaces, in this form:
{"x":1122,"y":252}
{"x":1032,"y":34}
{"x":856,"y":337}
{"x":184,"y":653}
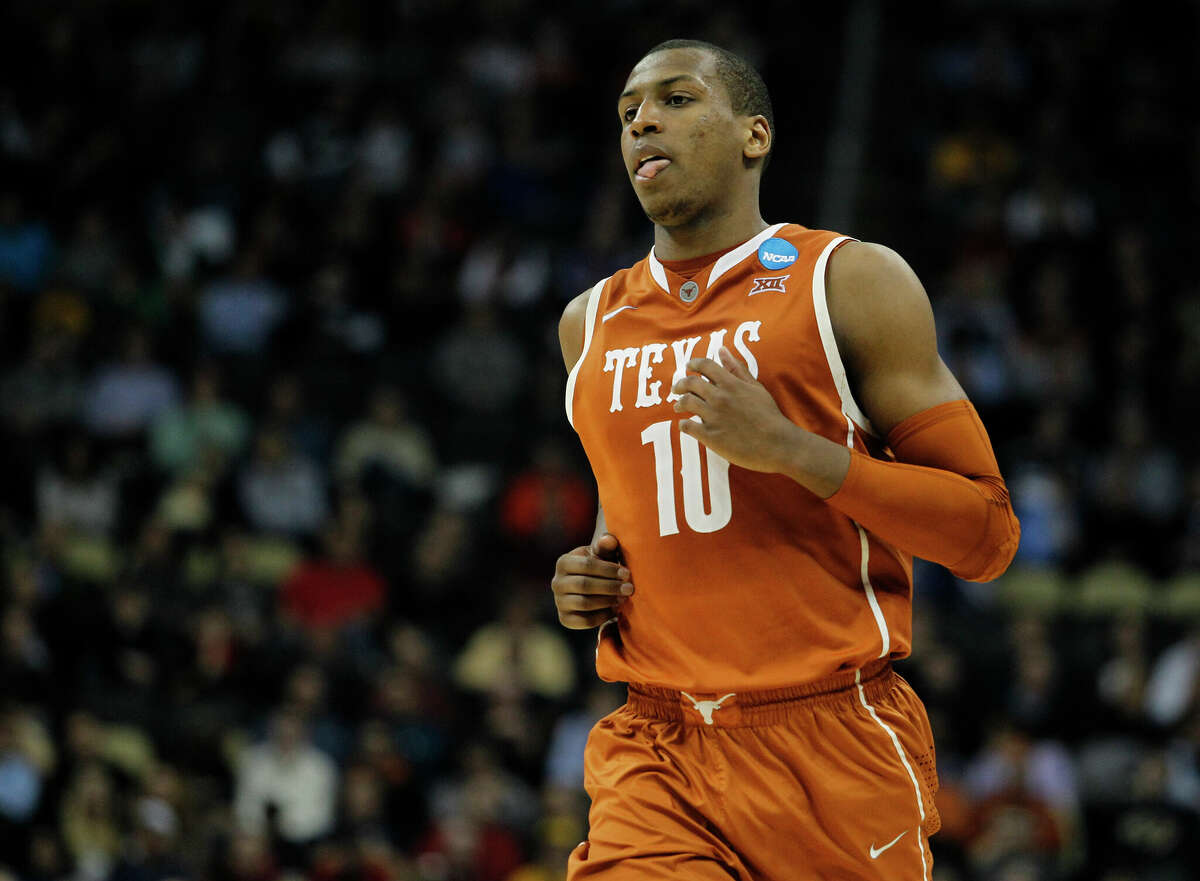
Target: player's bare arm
{"x":589,"y":581}
{"x":884,"y":328}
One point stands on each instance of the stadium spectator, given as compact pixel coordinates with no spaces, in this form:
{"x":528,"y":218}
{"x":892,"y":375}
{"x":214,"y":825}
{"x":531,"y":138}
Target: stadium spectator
{"x":25,"y":660}
{"x":281,"y":491}
{"x":21,"y":774}
{"x":122,"y":399}
{"x":237,"y":314}
{"x":335,"y":591}
{"x":517,"y":653}
{"x":91,"y":257}
{"x":78,"y":493}
{"x":564,"y":754}
{"x":387,"y":439}
{"x":478,"y":367}
{"x":26,"y":246}
{"x":44,"y":391}
{"x":1121,"y":681}
{"x":208,"y":427}
{"x":153,"y":854}
{"x":306,"y":693}
{"x":88,"y":821}
{"x":287,"y":787}
{"x":287,"y":406}
{"x":547,"y":505}
{"x":1027,"y":802}
{"x":1164,"y":843}
{"x":1173,"y":691}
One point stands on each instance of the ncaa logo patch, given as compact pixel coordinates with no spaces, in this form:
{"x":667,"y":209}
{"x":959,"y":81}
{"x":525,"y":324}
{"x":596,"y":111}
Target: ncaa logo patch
{"x":770,"y":283}
{"x":777,"y":254}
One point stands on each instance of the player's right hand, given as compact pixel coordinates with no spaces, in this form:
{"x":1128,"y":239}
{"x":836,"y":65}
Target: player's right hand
{"x":590,"y":583}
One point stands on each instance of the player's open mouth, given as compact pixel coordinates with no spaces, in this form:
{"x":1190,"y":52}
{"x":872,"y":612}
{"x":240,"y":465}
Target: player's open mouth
{"x":650,"y":167}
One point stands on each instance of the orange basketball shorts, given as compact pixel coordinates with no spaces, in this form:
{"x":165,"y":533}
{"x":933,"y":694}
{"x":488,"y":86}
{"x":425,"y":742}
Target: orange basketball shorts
{"x":834,"y":780}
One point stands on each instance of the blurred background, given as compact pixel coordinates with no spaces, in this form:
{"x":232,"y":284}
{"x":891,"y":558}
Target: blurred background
{"x":285,"y":463}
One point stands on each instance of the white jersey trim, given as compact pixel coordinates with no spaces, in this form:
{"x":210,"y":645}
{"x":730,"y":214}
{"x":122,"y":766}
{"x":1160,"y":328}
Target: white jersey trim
{"x":658,"y":272}
{"x":834,"y":358}
{"x":862,"y":698}
{"x":854,"y":416}
{"x":726,"y":262}
{"x":589,"y":326}
{"x":885,"y":636}
{"x":600,"y":634}
{"x":741,"y":252}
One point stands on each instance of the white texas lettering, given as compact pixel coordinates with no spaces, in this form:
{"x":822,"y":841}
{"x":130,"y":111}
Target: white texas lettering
{"x":716,"y":339}
{"x":683,"y":353}
{"x":644,"y":358}
{"x":615,"y":362}
{"x":647,"y":395}
{"x":747,"y":329}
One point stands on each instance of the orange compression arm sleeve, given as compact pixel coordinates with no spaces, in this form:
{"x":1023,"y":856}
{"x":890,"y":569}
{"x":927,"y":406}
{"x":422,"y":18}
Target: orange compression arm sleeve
{"x":943,"y":499}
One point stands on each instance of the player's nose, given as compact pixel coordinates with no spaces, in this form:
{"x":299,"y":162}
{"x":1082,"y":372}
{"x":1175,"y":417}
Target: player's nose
{"x":646,"y":120}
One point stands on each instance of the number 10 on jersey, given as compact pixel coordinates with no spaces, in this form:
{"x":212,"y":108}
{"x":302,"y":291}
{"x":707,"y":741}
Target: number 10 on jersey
{"x":720,"y":506}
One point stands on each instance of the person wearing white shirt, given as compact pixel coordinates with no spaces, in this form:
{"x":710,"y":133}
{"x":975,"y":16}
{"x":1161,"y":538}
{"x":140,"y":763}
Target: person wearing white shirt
{"x":292,"y":775}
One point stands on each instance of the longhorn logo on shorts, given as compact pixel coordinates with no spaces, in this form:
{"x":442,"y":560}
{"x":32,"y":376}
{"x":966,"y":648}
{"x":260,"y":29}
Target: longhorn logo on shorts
{"x":707,"y":708}
{"x":777,"y":254}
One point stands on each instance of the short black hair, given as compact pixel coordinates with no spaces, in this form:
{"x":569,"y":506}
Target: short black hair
{"x":748,"y":94}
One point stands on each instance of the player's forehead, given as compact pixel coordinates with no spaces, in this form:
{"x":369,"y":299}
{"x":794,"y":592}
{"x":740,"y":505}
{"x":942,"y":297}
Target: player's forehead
{"x":675,"y":65}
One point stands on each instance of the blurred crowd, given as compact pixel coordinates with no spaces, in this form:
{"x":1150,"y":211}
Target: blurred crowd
{"x":287,"y":468}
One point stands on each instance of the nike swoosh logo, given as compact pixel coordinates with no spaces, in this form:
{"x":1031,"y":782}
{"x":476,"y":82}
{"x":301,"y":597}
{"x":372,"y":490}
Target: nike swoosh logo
{"x":876,"y":851}
{"x":608,"y":315}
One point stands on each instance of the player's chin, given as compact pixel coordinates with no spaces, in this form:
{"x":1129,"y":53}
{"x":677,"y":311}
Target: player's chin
{"x":667,"y":211}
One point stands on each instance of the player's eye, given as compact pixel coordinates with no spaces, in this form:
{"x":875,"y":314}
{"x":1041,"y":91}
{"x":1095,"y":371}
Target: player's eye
{"x":629,"y":113}
{"x":678,"y":100}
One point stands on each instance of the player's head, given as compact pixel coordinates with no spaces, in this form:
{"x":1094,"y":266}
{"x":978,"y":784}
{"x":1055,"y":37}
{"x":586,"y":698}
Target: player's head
{"x":696,"y":130}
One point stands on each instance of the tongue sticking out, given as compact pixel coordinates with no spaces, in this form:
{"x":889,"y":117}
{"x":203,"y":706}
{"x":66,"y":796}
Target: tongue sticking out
{"x":652,"y":167}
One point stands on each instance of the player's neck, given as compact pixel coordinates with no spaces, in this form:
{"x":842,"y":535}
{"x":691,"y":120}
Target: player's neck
{"x":708,"y":234}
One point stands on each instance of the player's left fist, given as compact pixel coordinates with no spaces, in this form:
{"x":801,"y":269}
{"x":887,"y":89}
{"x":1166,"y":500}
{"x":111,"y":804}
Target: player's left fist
{"x":734,"y":414}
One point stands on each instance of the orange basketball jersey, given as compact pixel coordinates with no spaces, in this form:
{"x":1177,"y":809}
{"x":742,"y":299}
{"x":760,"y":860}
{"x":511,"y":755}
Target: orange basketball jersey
{"x":743,"y":580}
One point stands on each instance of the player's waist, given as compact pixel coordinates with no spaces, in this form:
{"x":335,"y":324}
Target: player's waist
{"x":744,"y":709}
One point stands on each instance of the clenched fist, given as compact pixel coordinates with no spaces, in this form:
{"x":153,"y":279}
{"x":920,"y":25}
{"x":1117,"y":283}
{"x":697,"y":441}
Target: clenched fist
{"x":590,"y":583}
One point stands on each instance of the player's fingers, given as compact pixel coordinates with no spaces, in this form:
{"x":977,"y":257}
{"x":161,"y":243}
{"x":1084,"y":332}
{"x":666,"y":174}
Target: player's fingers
{"x":577,"y":602}
{"x":734,"y":364}
{"x":692,"y":385}
{"x":710,"y":370}
{"x":696,"y":429}
{"x":584,"y":620}
{"x":564,"y":563}
{"x":607,"y":547}
{"x":591,"y":586}
{"x":589,"y":564}
{"x":690,"y":403}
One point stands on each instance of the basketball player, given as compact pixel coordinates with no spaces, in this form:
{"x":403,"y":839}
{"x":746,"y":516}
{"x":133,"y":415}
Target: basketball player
{"x":774,"y":437}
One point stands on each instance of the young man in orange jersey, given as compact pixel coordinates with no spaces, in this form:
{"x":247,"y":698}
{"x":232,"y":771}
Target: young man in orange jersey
{"x":774,"y":437}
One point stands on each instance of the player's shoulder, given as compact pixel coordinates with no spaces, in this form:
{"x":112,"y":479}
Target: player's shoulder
{"x":857,"y":263}
{"x":805,"y":236}
{"x":866,"y":277}
{"x":575,"y":312}
{"x":573,"y":322}
{"x":873,"y":294}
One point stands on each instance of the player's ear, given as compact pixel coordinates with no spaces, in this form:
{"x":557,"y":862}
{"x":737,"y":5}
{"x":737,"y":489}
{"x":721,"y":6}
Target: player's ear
{"x":759,"y":138}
